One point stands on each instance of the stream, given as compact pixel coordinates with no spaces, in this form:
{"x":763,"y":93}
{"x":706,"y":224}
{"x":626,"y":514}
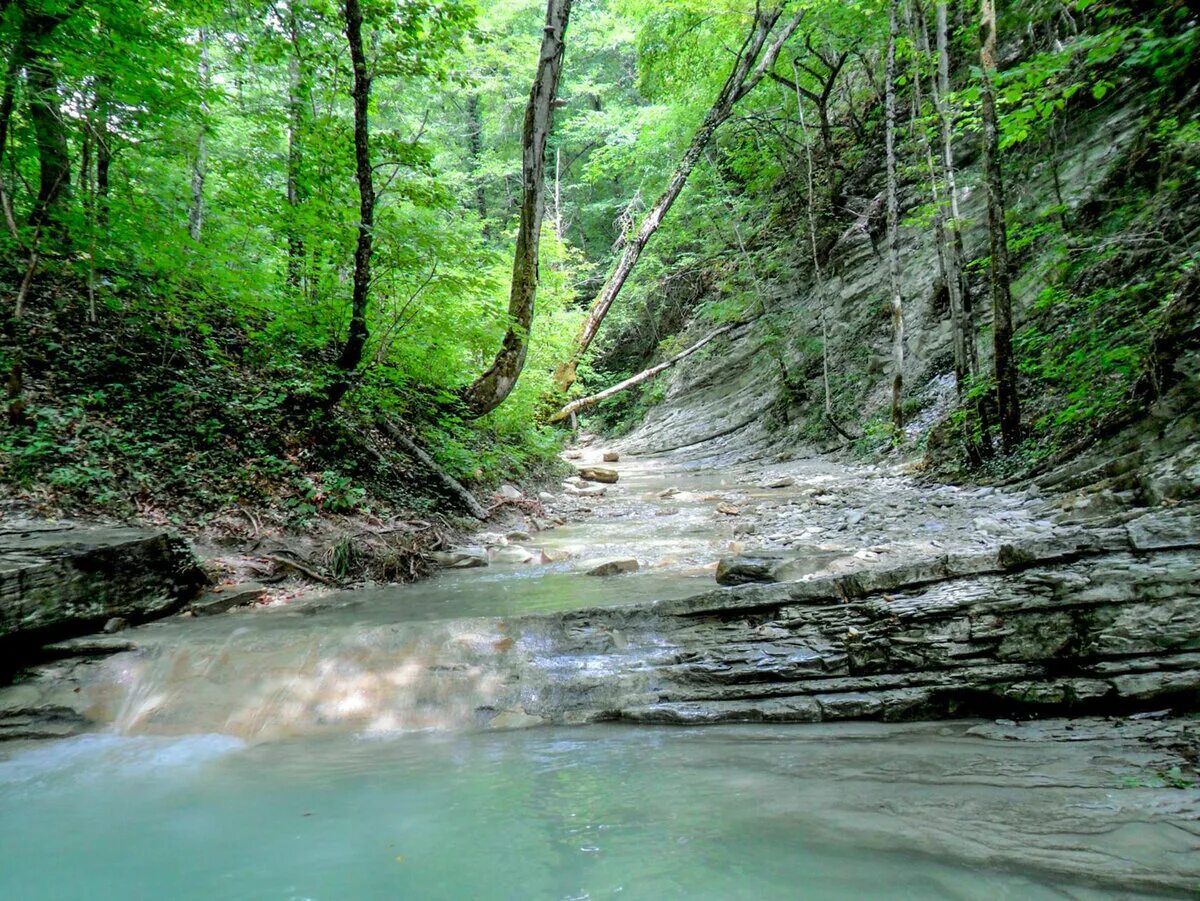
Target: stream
{"x":352,"y":746}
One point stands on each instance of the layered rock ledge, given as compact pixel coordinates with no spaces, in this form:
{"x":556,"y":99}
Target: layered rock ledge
{"x":1100,"y":621}
{"x":58,"y":582}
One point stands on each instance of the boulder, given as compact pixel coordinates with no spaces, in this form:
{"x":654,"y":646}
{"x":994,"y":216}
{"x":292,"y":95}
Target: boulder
{"x":611,"y":567}
{"x":611,"y":456}
{"x":744,"y":568}
{"x":780,"y":482}
{"x":511,"y":554}
{"x":508,"y":492}
{"x":57,"y":582}
{"x":460,"y":558}
{"x":224,"y":598}
{"x":589,"y":491}
{"x":728,"y":509}
{"x":775,"y":566}
{"x":599,"y":474}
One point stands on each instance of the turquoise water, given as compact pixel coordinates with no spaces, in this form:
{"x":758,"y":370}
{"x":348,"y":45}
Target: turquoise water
{"x":597,"y":812}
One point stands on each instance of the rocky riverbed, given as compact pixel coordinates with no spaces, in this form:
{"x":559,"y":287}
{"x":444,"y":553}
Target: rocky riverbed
{"x":709,"y":586}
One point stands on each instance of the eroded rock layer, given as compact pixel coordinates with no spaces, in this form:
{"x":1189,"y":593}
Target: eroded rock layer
{"x":1103,"y":621}
{"x":57,"y":582}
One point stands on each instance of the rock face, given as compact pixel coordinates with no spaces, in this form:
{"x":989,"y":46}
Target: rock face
{"x":57,"y":582}
{"x":1107,"y":621}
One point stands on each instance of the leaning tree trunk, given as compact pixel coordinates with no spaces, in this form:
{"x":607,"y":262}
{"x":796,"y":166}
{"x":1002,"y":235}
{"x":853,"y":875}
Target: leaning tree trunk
{"x":489,"y":390}
{"x":356,"y":339}
{"x":893,"y":230}
{"x":1007,"y":403}
{"x":742,"y":79}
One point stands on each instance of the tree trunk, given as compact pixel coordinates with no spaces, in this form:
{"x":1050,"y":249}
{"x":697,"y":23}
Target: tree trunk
{"x":955,"y":255}
{"x":950,"y":278}
{"x":103,"y":153}
{"x":893,"y":230}
{"x":200,"y":163}
{"x":296,"y":106}
{"x":54,"y":157}
{"x":645,"y":375}
{"x":475,"y":147}
{"x":356,"y":339}
{"x":16,"y":58}
{"x":451,"y":484}
{"x":818,"y":277}
{"x":744,"y":76}
{"x":1007,"y":402}
{"x":490,"y":389}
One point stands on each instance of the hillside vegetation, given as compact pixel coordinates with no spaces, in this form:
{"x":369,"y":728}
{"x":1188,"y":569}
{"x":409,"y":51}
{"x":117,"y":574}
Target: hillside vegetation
{"x":255,"y":251}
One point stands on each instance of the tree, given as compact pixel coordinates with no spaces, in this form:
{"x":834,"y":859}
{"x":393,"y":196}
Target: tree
{"x":491,"y":388}
{"x":1007,"y":402}
{"x":893,"y":221}
{"x":754,"y":59}
{"x":356,"y":339}
{"x":200,"y":162}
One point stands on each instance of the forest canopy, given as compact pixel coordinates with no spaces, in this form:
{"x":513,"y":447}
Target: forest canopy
{"x":199,"y":284}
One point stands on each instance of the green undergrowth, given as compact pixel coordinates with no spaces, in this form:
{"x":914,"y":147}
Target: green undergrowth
{"x":175,"y":408}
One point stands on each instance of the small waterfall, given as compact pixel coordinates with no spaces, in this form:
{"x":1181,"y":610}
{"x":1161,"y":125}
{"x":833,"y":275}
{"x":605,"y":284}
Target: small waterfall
{"x":261,"y":682}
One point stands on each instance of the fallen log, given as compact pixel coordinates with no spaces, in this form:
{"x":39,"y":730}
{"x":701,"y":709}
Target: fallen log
{"x":582,"y":403}
{"x":451,"y":484}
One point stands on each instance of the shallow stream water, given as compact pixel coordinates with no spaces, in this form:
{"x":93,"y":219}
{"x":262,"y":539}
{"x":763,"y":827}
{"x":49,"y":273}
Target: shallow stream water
{"x":331,"y":751}
{"x":595,"y":812}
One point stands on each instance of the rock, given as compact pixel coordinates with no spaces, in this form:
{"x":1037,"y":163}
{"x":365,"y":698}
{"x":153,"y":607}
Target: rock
{"x":546,"y":497}
{"x":116,"y":624}
{"x":728,"y":509}
{"x":599,"y":474}
{"x":219,"y":600}
{"x":775,"y":566}
{"x":511,"y":554}
{"x":90,"y":646}
{"x":58,"y":582}
{"x":460,"y":558}
{"x":745,"y":568}
{"x":611,"y":456}
{"x":572,"y":454}
{"x":854,"y":517}
{"x":514,"y":719}
{"x":518,"y":535}
{"x":508,"y":492}
{"x":556,"y":555}
{"x":667,"y":492}
{"x":611,"y":567}
{"x":780,"y":482}
{"x":589,"y":491}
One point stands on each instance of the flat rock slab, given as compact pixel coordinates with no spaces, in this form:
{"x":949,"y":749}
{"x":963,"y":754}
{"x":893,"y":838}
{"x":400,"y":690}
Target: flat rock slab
{"x":610,"y":567}
{"x":599,"y":474}
{"x":226,"y":598}
{"x":57,"y":583}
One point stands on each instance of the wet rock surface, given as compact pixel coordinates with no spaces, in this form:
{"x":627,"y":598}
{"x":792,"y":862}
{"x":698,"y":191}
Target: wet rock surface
{"x":864,"y":595}
{"x":61,"y":581}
